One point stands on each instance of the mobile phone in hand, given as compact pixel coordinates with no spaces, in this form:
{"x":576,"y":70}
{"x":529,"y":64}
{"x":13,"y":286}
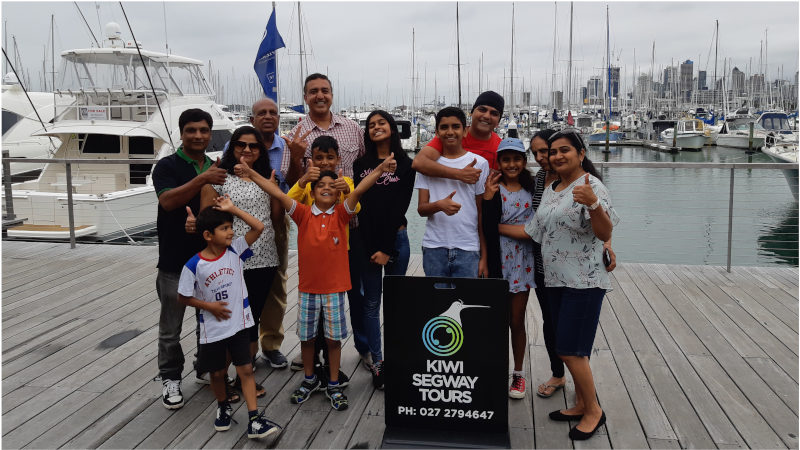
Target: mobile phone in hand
{"x":606,"y":257}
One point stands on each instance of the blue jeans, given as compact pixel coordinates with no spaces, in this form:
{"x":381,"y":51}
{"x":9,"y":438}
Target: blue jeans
{"x":365,"y":311}
{"x":450,"y":262}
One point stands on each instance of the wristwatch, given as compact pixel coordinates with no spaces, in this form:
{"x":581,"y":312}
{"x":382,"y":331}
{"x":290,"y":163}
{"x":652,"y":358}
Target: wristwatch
{"x":594,"y":205}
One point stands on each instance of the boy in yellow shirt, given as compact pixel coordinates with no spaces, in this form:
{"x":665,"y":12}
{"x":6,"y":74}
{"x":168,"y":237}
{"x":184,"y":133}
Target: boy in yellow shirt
{"x":324,"y":156}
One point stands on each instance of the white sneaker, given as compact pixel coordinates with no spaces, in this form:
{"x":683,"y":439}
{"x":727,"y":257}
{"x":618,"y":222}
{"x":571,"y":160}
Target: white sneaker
{"x":172,"y":396}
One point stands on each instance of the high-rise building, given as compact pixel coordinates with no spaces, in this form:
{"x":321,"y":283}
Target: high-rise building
{"x":737,"y":81}
{"x":594,"y":88}
{"x":687,"y":73}
{"x":558,"y":99}
{"x":701,"y":80}
{"x":614,"y":81}
{"x":584,"y":94}
{"x":670,"y":79}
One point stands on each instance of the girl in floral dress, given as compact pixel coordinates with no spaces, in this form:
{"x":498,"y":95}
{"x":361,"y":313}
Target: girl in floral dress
{"x":507,"y":208}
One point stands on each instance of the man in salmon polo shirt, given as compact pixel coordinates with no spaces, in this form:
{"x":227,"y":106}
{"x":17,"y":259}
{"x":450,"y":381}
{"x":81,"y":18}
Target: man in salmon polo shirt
{"x":480,"y":140}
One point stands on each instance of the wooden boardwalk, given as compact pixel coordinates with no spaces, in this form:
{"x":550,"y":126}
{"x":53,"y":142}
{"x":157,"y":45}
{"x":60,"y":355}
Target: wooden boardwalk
{"x":686,"y":356}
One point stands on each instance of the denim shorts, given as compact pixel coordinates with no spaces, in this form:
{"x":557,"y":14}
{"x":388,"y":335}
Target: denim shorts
{"x":450,"y":262}
{"x":575,"y":314}
{"x":330,"y":307}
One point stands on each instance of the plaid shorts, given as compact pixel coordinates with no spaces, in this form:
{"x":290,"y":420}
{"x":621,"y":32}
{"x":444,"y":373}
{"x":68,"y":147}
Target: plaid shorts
{"x":331,"y":306}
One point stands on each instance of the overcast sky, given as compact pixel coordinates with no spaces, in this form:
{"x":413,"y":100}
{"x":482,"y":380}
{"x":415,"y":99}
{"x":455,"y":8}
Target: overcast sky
{"x":366,"y":47}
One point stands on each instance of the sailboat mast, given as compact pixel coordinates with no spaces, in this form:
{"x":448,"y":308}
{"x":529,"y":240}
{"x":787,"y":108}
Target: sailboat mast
{"x":553,"y":74}
{"x":413,"y":80}
{"x":716,"y":50}
{"x":300,"y":35}
{"x":458,"y":58}
{"x":53,"y":61}
{"x":480,"y":75}
{"x":277,"y":86}
{"x":569,"y":67}
{"x":608,"y":70}
{"x":511,"y":110}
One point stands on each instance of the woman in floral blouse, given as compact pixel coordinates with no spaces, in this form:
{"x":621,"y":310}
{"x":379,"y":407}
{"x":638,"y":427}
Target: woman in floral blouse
{"x":574,"y":218}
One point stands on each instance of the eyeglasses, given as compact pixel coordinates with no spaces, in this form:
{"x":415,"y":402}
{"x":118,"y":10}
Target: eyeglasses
{"x":239,"y":145}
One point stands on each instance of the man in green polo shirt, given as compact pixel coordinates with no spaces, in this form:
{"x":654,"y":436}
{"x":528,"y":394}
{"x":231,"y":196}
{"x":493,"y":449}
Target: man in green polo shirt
{"x":178,"y":179}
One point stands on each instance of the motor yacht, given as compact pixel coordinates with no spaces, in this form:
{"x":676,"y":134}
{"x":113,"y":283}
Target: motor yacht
{"x":116,"y":114}
{"x":689,"y":135}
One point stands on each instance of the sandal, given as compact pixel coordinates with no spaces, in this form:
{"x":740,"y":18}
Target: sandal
{"x":233,"y":396}
{"x":260,"y":391}
{"x":555,"y":388}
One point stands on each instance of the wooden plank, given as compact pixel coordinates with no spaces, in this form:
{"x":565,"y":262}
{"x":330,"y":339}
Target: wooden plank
{"x":623,"y":328}
{"x":33,"y":427}
{"x":19,"y":396}
{"x":99,"y":431}
{"x":753,"y":428}
{"x":663,"y":443}
{"x":66,"y":429}
{"x":702,"y":298}
{"x":684,"y":422}
{"x":776,"y":378}
{"x":370,"y":428}
{"x":335,"y":431}
{"x":547,"y":433}
{"x":622,"y":424}
{"x":769,"y":332}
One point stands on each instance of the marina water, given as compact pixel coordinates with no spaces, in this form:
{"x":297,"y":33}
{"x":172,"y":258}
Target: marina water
{"x":680,"y":216}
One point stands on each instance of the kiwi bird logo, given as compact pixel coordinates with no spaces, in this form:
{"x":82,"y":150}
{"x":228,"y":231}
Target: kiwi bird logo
{"x":449,"y":322}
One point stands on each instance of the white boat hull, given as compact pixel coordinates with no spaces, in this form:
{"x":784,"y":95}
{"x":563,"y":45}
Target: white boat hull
{"x":786,"y":154}
{"x":103,"y":215}
{"x":738,"y":141}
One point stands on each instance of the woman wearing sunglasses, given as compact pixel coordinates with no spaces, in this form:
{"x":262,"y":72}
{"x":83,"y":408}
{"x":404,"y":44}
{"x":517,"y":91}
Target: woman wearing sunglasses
{"x":247,"y":146}
{"x":573,"y":220}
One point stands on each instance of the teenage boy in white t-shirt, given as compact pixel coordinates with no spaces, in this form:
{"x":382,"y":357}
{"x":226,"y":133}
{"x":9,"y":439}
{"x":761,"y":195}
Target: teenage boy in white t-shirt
{"x":453,"y":244}
{"x":213,"y":282}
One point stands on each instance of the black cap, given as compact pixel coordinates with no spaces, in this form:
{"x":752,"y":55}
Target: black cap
{"x":490,"y":98}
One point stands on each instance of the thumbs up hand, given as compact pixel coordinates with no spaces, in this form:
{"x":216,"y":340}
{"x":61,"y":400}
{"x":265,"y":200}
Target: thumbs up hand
{"x":583,"y":193}
{"x":215,"y":174}
{"x":340,"y":184}
{"x":389,"y":164}
{"x":449,"y":206}
{"x":191,"y":222}
{"x":242,"y":170}
{"x":311,"y":175}
{"x":469,"y":174}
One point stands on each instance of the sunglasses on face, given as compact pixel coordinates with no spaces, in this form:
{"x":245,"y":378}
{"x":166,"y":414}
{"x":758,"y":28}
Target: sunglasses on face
{"x":239,"y":145}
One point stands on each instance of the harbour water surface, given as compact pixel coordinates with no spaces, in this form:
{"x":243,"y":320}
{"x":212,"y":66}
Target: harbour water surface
{"x":680,"y":216}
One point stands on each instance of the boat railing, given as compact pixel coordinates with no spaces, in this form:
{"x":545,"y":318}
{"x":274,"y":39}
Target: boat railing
{"x":660,"y":209}
{"x":112,"y":104}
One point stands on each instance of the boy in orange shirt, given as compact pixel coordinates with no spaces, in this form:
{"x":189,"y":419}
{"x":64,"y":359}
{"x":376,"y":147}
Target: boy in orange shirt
{"x":322,"y":234}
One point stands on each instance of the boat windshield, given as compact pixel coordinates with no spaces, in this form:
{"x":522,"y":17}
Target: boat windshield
{"x":745,"y":126}
{"x":124,"y":70}
{"x":776,"y":123}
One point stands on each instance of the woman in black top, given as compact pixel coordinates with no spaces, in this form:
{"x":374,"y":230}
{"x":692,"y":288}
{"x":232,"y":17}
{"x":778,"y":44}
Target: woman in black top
{"x":382,"y":231}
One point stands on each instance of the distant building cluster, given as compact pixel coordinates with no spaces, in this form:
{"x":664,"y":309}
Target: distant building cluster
{"x":681,"y":85}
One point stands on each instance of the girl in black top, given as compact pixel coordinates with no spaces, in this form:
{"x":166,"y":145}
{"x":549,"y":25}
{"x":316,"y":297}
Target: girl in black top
{"x":381,"y":239}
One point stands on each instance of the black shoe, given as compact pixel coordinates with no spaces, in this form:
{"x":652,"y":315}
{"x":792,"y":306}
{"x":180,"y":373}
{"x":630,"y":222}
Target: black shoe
{"x":323,"y":372}
{"x":561,"y":417}
{"x":377,"y":375}
{"x":577,"y":435}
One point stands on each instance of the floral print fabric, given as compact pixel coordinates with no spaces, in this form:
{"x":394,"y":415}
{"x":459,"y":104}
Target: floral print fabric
{"x":572,"y":255}
{"x":516,"y":256}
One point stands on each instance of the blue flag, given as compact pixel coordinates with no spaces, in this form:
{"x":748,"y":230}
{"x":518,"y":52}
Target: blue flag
{"x":265,"y":65}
